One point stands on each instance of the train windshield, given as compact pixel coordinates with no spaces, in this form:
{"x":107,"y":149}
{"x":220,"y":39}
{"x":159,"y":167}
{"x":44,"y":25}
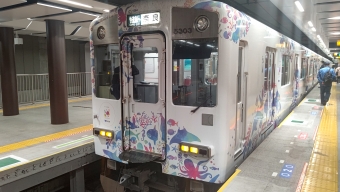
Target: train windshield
{"x":194,"y":72}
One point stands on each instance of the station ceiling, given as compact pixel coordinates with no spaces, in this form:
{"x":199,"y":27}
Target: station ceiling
{"x":27,"y":17}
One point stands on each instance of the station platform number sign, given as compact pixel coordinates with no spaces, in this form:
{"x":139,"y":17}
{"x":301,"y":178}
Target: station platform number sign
{"x":287,"y":171}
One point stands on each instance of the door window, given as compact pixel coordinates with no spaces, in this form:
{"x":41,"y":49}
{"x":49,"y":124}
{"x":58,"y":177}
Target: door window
{"x":285,"y":77}
{"x":145,"y":74}
{"x":303,"y":68}
{"x":239,"y":75}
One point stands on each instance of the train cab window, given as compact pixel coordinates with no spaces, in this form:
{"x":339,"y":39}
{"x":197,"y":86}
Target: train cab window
{"x":145,"y":74}
{"x":285,"y":77}
{"x":303,"y":68}
{"x":106,"y":61}
{"x":194,"y":72}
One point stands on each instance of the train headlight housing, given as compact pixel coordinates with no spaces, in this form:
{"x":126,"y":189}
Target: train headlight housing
{"x":107,"y":134}
{"x":196,"y":150}
{"x":201,"y":23}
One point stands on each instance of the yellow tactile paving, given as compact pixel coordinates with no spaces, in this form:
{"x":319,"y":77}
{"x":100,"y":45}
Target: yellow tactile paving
{"x":46,"y":138}
{"x":48,"y":104}
{"x":322,"y":171}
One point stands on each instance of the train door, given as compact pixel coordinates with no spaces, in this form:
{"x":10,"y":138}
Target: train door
{"x":143,"y":99}
{"x":241,"y":96}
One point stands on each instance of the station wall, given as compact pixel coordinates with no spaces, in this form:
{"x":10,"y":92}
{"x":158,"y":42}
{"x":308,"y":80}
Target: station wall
{"x":31,"y":56}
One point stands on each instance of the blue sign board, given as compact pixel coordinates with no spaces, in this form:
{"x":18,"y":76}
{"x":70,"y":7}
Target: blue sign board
{"x":287,"y":171}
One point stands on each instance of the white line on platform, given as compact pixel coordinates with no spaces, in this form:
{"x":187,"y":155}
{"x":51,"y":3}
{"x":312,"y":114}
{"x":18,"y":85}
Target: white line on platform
{"x":274,"y":174}
{"x":282,"y":161}
{"x":292,"y":143}
{"x":287,"y":151}
{"x":299,"y":130}
{"x":295,"y":135}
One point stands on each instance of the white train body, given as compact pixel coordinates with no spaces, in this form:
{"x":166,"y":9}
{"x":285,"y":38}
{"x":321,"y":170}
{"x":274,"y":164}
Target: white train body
{"x":261,"y":76}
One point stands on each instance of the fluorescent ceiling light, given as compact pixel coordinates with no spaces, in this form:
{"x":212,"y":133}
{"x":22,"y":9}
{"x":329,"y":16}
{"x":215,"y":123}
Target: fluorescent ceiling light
{"x":318,"y":36}
{"x":76,"y":3}
{"x":299,"y":6}
{"x":189,"y":43}
{"x":313,"y":29}
{"x":335,"y":33}
{"x":106,"y":10}
{"x":89,"y":14}
{"x":310,"y":23}
{"x":196,"y":45}
{"x":43,"y":4}
{"x":338,"y":17}
{"x":28,"y":25}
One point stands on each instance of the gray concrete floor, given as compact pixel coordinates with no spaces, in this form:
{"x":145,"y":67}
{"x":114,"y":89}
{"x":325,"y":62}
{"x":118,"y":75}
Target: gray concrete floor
{"x":261,"y":171}
{"x":32,"y":123}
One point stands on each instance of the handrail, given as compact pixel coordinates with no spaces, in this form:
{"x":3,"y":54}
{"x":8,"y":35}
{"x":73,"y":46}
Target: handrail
{"x":34,"y":88}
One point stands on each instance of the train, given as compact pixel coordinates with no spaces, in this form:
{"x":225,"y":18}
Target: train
{"x":184,"y":90}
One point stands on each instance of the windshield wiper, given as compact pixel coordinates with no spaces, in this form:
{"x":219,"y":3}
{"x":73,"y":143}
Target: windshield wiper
{"x":205,"y":102}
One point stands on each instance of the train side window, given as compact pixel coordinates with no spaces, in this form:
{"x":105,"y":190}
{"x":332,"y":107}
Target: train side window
{"x":285,"y":77}
{"x":106,"y":70}
{"x":194,"y":72}
{"x":303,"y":68}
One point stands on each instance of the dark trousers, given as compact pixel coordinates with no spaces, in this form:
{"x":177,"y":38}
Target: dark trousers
{"x":325,"y":92}
{"x":338,"y":79}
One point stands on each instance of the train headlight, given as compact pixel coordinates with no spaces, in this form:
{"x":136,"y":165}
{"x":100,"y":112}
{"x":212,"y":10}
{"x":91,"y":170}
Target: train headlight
{"x":195,"y":149}
{"x":103,"y":133}
{"x":184,"y":148}
{"x":201,"y":23}
{"x":108,"y":134}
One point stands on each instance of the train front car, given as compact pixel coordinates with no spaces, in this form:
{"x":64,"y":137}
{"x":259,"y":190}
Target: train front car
{"x":159,"y":110}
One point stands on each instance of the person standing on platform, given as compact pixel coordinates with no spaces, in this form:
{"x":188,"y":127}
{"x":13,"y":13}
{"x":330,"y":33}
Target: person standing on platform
{"x":326,"y":76}
{"x":337,"y":72}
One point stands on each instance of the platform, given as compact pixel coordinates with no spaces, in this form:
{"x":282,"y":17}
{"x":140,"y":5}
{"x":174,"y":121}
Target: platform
{"x":33,"y":150}
{"x":301,"y":154}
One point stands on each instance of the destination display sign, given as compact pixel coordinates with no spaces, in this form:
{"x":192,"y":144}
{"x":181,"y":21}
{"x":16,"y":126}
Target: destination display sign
{"x":143,"y":19}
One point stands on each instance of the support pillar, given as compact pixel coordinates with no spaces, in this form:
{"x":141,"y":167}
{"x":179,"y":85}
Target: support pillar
{"x":55,"y":31}
{"x":8,"y":73}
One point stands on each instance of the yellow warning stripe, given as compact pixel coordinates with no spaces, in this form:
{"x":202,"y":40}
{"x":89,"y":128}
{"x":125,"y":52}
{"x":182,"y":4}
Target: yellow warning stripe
{"x":25,"y":107}
{"x":46,"y":138}
{"x":322,"y":171}
{"x":229,"y":180}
